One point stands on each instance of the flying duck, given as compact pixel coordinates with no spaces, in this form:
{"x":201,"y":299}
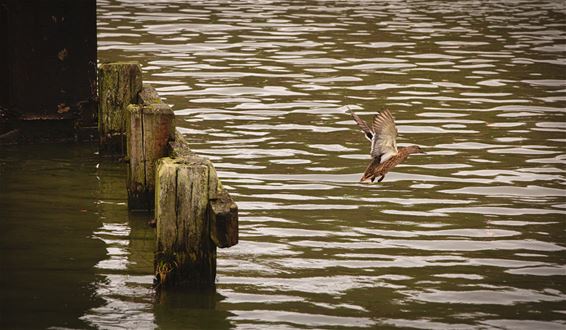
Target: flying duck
{"x":384,"y":152}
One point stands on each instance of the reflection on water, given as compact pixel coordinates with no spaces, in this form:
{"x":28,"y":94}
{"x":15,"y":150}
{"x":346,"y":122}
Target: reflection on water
{"x":47,"y":218}
{"x":469,"y":236}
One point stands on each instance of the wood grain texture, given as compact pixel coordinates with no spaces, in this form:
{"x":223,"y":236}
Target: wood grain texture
{"x":118,"y":86}
{"x":183,"y":225}
{"x":135,"y":174}
{"x":158,"y":129}
{"x":166,"y":205}
{"x":149,"y":130}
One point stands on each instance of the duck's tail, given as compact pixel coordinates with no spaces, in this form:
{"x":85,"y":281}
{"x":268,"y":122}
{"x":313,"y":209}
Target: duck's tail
{"x":371,"y":170}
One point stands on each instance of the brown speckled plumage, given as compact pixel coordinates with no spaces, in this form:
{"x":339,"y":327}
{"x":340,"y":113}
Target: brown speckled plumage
{"x":376,"y":169}
{"x":384,"y":152}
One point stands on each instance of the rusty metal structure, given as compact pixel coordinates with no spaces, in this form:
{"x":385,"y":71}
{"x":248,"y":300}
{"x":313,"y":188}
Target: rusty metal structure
{"x":47,"y":70}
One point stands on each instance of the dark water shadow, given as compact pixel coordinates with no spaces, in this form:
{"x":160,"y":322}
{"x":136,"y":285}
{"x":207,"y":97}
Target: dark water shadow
{"x":47,"y":253}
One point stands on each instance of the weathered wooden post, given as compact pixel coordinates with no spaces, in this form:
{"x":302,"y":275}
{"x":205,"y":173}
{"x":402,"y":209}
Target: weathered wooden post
{"x":118,"y":86}
{"x":150,"y":127}
{"x":194,"y":215}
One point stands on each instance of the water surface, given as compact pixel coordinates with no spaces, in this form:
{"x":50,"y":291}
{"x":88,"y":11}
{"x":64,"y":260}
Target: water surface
{"x":469,"y":236}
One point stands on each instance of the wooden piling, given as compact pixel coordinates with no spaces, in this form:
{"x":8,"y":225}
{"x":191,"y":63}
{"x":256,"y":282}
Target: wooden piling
{"x":194,"y":214}
{"x":150,"y":128}
{"x":189,"y":198}
{"x":185,"y":255}
{"x":118,"y":86}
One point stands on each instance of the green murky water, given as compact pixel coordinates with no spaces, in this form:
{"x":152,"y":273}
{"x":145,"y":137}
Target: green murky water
{"x":469,"y":236}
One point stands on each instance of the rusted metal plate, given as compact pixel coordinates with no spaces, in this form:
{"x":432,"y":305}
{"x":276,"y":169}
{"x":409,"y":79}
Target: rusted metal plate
{"x":47,"y":117}
{"x":48,"y":71}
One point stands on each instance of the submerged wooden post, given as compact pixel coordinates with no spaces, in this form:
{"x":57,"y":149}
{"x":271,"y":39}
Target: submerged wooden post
{"x":150,"y":128}
{"x":189,"y":201}
{"x":118,"y":86}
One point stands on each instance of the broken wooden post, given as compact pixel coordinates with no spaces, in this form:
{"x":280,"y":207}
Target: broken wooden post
{"x":223,"y":215}
{"x":189,"y":200}
{"x":150,"y":128}
{"x":118,"y":86}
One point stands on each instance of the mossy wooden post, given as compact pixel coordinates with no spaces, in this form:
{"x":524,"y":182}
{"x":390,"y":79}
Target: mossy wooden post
{"x":186,"y":257}
{"x":150,"y":128}
{"x":189,"y":200}
{"x":118,"y":86}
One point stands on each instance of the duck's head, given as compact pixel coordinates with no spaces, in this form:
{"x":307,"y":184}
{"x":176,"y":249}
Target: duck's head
{"x":415,"y":150}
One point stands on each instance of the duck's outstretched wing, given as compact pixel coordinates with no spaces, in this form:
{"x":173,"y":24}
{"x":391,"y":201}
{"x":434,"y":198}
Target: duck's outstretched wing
{"x":384,"y":141}
{"x":363,"y":125}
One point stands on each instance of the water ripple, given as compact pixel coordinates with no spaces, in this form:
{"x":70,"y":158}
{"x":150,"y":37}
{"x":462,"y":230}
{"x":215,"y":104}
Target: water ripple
{"x":263,"y":89}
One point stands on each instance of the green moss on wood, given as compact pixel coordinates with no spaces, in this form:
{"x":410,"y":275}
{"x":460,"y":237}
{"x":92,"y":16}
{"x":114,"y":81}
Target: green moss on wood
{"x":118,"y":86}
{"x":182,"y":220}
{"x":148,"y":95}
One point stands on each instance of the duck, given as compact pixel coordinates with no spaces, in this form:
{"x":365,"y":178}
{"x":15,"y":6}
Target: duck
{"x":382,"y":133}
